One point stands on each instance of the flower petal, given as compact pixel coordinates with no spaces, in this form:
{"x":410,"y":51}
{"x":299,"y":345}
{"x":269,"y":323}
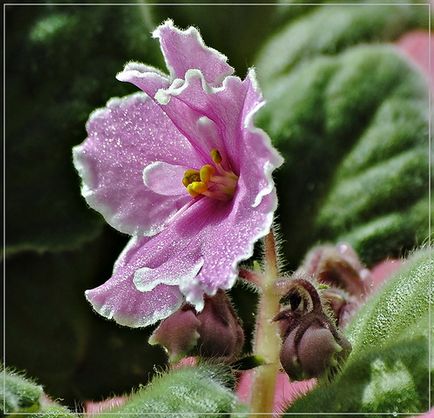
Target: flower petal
{"x":197,"y":253}
{"x":164,"y":178}
{"x":145,"y":77}
{"x":175,"y":271}
{"x":201,"y":249}
{"x":124,"y":138}
{"x":119,"y":299}
{"x":257,"y":144}
{"x":184,"y":50}
{"x":248,"y":148}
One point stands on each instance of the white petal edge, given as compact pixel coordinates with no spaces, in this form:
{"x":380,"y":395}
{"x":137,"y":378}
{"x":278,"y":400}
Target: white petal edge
{"x":278,"y":160}
{"x":108,"y":312}
{"x":195,"y":290}
{"x":144,"y":281}
{"x":196,"y":34}
{"x":165,"y":171}
{"x":140,"y":70}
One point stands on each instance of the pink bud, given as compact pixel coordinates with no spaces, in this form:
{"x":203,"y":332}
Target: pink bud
{"x":178,"y":333}
{"x":221,"y":335}
{"x":315,"y":353}
{"x":215,"y":332}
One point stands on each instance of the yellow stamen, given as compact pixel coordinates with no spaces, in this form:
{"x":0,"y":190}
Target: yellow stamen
{"x":190,"y":176}
{"x":206,"y":172}
{"x":216,"y":156}
{"x":212,"y":180}
{"x":197,"y":188}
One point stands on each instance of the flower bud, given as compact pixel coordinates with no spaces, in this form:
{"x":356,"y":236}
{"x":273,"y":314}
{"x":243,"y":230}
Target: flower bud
{"x":221,"y":335}
{"x":314,"y":353}
{"x":215,"y":332}
{"x":338,"y":266}
{"x":178,"y":333}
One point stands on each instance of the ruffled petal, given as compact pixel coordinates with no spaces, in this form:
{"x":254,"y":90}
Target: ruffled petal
{"x":257,"y":144}
{"x":145,"y":77}
{"x":225,"y":246}
{"x":124,"y":138}
{"x":199,"y":252}
{"x":119,"y":299}
{"x":185,"y":49}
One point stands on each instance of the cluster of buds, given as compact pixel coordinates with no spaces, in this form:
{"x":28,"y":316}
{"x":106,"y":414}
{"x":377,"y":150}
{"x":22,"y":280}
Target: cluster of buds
{"x":312,"y":346}
{"x":214,"y":333}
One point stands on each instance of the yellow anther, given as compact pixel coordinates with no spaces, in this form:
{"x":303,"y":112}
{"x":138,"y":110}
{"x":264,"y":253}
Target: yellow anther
{"x":222,"y":182}
{"x":216,"y":156}
{"x":190,"y":176}
{"x":196,"y":188}
{"x":191,"y":191}
{"x":206,"y":172}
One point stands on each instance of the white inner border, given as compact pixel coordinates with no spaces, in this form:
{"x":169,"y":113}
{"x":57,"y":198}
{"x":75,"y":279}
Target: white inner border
{"x":426,"y":3}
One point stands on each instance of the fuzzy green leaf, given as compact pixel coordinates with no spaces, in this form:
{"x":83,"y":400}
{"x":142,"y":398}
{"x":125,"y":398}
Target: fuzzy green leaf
{"x":330,"y":29}
{"x":388,"y":369}
{"x":193,"y":391}
{"x":18,"y":394}
{"x":52,"y":411}
{"x":401,"y":303}
{"x":353,"y":130}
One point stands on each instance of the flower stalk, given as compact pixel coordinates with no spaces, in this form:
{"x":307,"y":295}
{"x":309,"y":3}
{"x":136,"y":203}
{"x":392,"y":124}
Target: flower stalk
{"x":267,"y":340}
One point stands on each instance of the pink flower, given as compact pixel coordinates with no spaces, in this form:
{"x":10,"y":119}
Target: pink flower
{"x":182,"y":168}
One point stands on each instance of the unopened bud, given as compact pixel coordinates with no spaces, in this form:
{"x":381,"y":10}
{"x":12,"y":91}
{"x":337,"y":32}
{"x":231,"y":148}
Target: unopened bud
{"x":221,"y":335}
{"x":312,"y":344}
{"x":337,"y":266}
{"x":215,"y":332}
{"x":315,"y":353}
{"x":178,"y":333}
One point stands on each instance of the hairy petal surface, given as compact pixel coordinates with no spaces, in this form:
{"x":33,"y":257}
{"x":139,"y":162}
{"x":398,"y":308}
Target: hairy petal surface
{"x":124,"y":138}
{"x":185,"y":49}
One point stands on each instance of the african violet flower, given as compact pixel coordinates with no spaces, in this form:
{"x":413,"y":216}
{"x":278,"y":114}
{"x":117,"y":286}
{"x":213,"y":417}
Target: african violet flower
{"x":181,"y":168}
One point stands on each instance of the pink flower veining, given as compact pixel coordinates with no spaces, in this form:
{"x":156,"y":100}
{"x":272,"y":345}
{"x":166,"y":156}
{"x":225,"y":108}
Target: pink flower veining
{"x":181,"y":167}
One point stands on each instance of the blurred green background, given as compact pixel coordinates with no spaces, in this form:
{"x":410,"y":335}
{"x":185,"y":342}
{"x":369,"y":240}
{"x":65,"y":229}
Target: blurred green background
{"x":345,"y":109}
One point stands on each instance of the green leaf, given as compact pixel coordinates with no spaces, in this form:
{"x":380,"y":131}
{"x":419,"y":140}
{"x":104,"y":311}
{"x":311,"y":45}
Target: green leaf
{"x":18,"y":394}
{"x":388,"y":369}
{"x":195,"y":391}
{"x":52,"y":411}
{"x":402,"y":302}
{"x":353,"y":131}
{"x":72,"y":57}
{"x":330,"y":29}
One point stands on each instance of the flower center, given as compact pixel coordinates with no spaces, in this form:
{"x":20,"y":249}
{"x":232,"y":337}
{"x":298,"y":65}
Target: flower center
{"x":211,"y":180}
